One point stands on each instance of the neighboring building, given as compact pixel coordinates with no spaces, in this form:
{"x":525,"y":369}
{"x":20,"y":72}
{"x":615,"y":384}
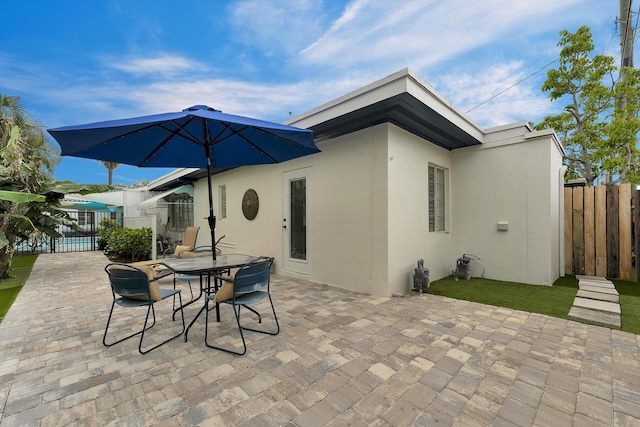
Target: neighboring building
{"x":402,"y":176}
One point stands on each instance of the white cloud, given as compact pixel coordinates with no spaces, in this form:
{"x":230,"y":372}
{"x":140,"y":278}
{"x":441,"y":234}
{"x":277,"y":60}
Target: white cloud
{"x":275,"y":27}
{"x":475,"y":94}
{"x":162,"y":64}
{"x":420,"y":33}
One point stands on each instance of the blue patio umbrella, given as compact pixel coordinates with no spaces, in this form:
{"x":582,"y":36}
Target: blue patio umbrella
{"x":197,"y":137}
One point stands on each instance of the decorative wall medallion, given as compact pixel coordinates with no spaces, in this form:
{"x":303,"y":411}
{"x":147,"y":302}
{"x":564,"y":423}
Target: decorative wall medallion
{"x":250,"y":204}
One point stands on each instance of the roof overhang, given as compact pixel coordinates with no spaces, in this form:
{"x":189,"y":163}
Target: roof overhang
{"x":163,"y":199}
{"x":402,"y":99}
{"x":181,"y":177}
{"x":406,"y":112}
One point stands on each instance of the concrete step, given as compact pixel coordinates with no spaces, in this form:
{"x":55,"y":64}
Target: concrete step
{"x":597,"y":278}
{"x":609,"y":291}
{"x":604,"y":306}
{"x":594,"y":316}
{"x":608,"y":285}
{"x":598,"y":296}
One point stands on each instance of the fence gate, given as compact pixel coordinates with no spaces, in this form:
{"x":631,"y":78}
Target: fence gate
{"x":73,"y":241}
{"x":598,"y":235}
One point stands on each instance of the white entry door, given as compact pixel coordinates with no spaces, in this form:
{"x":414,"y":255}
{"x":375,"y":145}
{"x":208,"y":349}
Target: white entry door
{"x":296,"y":221}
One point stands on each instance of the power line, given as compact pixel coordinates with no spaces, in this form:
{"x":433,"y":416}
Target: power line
{"x":513,"y":85}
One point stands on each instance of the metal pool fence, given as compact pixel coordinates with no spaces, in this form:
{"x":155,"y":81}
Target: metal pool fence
{"x":73,"y":241}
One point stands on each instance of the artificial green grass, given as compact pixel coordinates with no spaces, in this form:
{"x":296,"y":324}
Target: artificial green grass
{"x":554,"y":300}
{"x":21,"y":267}
{"x":629,"y":305}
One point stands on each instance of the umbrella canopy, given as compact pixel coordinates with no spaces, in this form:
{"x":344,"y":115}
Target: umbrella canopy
{"x":197,"y":137}
{"x":71,"y":203}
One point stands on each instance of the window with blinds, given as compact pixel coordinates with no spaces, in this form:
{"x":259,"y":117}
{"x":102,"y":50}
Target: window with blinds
{"x":437,"y":192}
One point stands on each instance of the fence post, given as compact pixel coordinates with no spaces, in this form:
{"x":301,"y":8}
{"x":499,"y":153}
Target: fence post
{"x":624,"y":224}
{"x":568,"y":228}
{"x":578,"y":230}
{"x":589,"y":232}
{"x":613,"y":229}
{"x":601,"y":230}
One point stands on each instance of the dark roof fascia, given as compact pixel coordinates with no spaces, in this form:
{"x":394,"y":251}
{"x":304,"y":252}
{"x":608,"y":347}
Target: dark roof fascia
{"x":187,"y":179}
{"x":403,"y":110}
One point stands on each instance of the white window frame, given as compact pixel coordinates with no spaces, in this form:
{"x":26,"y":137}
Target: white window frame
{"x":82,"y":218}
{"x":180,"y":215}
{"x":437,"y":198}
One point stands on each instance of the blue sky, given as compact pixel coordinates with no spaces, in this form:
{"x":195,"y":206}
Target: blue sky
{"x":79,"y":61}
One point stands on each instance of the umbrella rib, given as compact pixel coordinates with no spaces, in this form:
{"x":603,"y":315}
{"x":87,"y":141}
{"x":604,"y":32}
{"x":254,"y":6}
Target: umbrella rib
{"x":256,"y":147}
{"x":237,"y":132}
{"x":172,"y":133}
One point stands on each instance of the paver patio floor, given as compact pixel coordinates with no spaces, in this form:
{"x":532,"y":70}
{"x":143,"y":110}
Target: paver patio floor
{"x":341,"y":359}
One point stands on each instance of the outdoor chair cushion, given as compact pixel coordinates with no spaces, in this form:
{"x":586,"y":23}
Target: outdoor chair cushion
{"x":191,"y":254}
{"x":226,"y":290}
{"x":224,"y":293}
{"x":180,"y":249}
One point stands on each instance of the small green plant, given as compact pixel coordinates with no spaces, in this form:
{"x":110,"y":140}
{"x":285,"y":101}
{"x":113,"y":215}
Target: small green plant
{"x":130,"y":243}
{"x":106,"y":228}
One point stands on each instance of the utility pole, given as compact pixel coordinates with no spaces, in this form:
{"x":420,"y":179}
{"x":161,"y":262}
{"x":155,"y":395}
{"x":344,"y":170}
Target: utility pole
{"x":626,"y":61}
{"x":626,"y":34}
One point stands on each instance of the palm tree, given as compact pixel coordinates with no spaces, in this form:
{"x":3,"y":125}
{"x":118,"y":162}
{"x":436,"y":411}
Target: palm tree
{"x":27,"y":160}
{"x":110,"y":167}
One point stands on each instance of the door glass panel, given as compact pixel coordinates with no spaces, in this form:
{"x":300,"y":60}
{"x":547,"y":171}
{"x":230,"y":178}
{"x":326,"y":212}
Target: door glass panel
{"x":298,"y":209}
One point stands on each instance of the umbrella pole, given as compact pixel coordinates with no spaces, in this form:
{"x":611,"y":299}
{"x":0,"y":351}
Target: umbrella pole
{"x":211,"y":219}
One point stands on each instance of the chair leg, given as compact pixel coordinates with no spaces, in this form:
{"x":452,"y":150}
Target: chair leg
{"x":168,"y":339}
{"x":240,"y":327}
{"x":191,"y":301}
{"x":263,"y":331}
{"x":151,"y":310}
{"x":206,"y":332}
{"x":254,"y":312}
{"x":106,"y":329}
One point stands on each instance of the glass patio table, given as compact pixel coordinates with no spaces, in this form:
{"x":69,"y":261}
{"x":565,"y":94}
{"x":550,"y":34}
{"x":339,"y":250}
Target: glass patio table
{"x":206,"y":267}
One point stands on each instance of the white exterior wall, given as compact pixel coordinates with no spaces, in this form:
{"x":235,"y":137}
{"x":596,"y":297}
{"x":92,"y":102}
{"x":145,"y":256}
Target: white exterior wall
{"x":516,"y":181}
{"x":369,"y":203}
{"x":409,"y":236}
{"x":348,"y":200}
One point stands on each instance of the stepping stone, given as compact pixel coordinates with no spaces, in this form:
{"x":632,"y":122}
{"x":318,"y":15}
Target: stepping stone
{"x":598,"y":296}
{"x":598,"y":289}
{"x":607,"y":285}
{"x":594,"y":278}
{"x":594,"y":316}
{"x":604,"y":306}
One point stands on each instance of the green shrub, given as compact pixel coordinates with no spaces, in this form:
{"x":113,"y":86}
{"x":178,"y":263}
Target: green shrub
{"x":129,"y":243}
{"x":106,"y":228}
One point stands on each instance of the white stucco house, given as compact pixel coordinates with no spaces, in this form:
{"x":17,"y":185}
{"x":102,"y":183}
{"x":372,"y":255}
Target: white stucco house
{"x":402,"y":176}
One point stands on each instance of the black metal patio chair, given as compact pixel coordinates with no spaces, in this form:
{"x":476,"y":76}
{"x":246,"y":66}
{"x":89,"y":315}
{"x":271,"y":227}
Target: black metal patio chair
{"x":248,"y":286}
{"x":133,"y":287}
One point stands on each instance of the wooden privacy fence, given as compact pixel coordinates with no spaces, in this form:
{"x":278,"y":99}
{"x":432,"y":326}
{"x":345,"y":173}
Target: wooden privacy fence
{"x":598,"y":231}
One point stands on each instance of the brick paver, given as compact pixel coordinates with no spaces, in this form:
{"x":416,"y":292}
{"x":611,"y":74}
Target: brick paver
{"x":342,"y":358}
